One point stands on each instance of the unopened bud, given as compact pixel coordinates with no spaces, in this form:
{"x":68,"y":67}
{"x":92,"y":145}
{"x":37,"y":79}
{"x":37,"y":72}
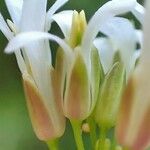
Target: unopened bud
{"x":109,"y":98}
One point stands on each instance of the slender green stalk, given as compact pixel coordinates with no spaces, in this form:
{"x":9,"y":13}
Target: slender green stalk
{"x":76,"y":126}
{"x":103,"y":133}
{"x":113,"y":142}
{"x":93,"y":136}
{"x":53,"y":144}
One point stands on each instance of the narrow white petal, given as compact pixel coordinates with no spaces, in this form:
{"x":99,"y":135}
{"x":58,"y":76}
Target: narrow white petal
{"x":64,"y":21}
{"x":55,"y":7}
{"x":33,"y":15}
{"x":4,"y":28}
{"x":107,"y":11}
{"x":15,"y":9}
{"x":106,"y":52}
{"x":123,"y":36}
{"x":27,"y":38}
{"x":51,"y":11}
{"x":139,"y":12}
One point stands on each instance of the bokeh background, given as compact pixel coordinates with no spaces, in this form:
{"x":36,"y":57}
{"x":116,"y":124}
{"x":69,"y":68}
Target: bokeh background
{"x":15,"y":127}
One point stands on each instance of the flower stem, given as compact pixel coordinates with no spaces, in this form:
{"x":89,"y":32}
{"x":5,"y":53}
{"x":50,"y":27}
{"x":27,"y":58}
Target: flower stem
{"x":102,"y":139}
{"x":92,"y":131}
{"x":113,"y":143}
{"x":53,"y":144}
{"x":76,"y":126}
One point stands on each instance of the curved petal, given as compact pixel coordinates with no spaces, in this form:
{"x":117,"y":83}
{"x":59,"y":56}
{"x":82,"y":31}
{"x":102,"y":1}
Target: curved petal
{"x":52,"y":10}
{"x":55,"y":7}
{"x":106,"y":52}
{"x":15,"y":9}
{"x":107,"y":11}
{"x":26,"y":38}
{"x":124,"y":41}
{"x":4,"y":28}
{"x":139,"y":12}
{"x":64,"y":24}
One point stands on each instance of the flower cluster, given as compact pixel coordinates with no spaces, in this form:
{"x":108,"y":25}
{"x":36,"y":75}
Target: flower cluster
{"x":90,"y":75}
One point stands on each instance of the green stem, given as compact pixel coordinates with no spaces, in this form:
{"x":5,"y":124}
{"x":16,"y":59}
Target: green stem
{"x":76,"y":126}
{"x":103,"y":133}
{"x":92,"y":131}
{"x":114,"y":143}
{"x":53,"y":144}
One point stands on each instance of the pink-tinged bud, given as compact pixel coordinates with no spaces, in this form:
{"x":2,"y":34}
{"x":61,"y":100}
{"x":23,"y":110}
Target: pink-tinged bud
{"x":77,"y":100}
{"x":133,"y":127}
{"x":42,"y":124}
{"x":77,"y":95}
{"x":47,"y":120}
{"x":82,"y":79}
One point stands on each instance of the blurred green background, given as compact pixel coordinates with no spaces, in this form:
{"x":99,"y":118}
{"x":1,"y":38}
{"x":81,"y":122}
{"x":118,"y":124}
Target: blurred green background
{"x":15,"y":127}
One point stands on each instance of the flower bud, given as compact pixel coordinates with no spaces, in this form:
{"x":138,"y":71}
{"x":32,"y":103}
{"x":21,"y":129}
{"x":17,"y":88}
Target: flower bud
{"x":133,"y":124}
{"x":78,"y":26}
{"x":47,"y":125}
{"x":77,"y":95}
{"x":83,"y":81}
{"x":109,"y":97}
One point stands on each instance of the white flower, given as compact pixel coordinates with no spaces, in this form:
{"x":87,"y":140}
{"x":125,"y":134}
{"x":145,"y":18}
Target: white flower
{"x":34,"y":61}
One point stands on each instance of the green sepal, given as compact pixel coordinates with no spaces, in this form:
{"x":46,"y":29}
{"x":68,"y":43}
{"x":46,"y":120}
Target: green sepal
{"x":97,"y":76}
{"x":110,"y":96}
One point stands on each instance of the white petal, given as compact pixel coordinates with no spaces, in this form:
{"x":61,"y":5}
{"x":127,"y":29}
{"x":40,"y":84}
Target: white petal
{"x":139,"y":12}
{"x":27,"y":38}
{"x":58,"y":4}
{"x":64,"y":20}
{"x":123,"y":36}
{"x":55,"y":7}
{"x":107,"y":11}
{"x":33,"y":15}
{"x":106,"y":52}
{"x":15,"y":9}
{"x":4,"y":28}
